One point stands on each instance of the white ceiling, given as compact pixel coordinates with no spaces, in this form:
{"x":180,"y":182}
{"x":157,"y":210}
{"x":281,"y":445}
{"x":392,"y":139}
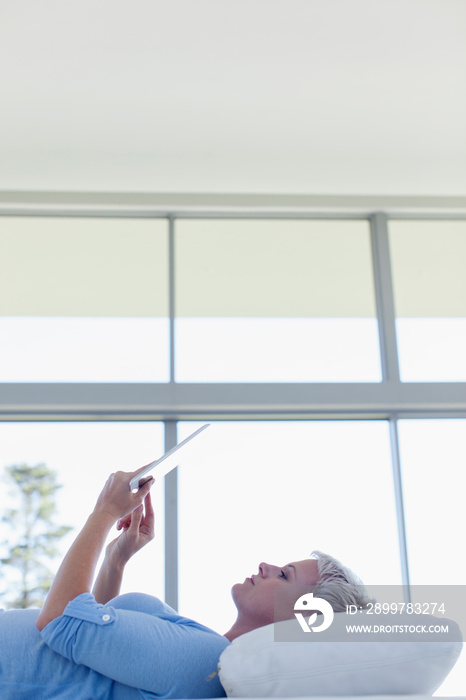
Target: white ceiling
{"x":242,"y":96}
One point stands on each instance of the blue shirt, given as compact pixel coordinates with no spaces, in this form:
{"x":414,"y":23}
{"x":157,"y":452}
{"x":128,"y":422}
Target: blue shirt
{"x":135,"y":646}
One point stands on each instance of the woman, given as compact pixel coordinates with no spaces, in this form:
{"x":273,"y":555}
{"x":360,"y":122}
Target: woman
{"x":102,"y":645}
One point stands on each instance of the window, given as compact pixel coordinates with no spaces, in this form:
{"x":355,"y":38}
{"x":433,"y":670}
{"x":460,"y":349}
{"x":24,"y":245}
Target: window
{"x":268,"y":491}
{"x":83,"y":455}
{"x":83,"y":300}
{"x":430,"y":299}
{"x":274,"y":301}
{"x":433,"y":454}
{"x":268,"y":328}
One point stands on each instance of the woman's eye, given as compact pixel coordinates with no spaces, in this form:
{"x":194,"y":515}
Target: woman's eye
{"x":282,"y":574}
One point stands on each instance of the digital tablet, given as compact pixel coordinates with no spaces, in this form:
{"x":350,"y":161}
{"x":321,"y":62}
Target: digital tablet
{"x":164,"y":464}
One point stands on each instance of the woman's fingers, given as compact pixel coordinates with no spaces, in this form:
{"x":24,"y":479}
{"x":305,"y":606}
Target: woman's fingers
{"x":136,"y":517}
{"x":148,"y":516}
{"x":149,"y":508}
{"x":149,"y":519}
{"x":138,"y":471}
{"x":143,"y":490}
{"x":124,"y":523}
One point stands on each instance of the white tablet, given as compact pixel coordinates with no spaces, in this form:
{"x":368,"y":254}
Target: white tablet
{"x":165,"y":464}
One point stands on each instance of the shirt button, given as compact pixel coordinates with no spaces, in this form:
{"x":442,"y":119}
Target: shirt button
{"x":105,"y":618}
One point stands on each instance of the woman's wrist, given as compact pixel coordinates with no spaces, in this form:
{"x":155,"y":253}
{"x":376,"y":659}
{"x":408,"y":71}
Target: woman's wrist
{"x":116,"y":558}
{"x":103,"y":517}
{"x":108,"y":581}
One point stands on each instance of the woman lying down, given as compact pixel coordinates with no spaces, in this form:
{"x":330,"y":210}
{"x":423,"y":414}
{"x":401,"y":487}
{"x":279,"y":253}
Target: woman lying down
{"x":91,"y":645}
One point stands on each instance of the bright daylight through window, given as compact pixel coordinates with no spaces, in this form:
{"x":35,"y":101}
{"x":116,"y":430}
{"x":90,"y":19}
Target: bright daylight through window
{"x":327,"y":354}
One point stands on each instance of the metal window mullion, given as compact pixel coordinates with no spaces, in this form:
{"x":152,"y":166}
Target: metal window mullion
{"x":171,"y":522}
{"x":398,"y":489}
{"x":171,"y":295}
{"x":126,"y":204}
{"x":171,"y":479}
{"x":384,"y":299}
{"x":210,"y":401}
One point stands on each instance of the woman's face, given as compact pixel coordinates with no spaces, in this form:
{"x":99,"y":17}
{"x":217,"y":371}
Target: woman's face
{"x":269,"y":595}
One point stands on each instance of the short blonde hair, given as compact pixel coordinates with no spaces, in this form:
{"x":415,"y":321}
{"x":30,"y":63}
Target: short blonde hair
{"x":337,"y":584}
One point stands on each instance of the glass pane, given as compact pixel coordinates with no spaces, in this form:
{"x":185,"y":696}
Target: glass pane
{"x":83,"y":455}
{"x":433,"y":455}
{"x":430,"y":298}
{"x":83,"y":300}
{"x":268,"y":491}
{"x":275,"y":301}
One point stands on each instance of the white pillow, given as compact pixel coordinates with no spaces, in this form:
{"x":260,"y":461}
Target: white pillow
{"x":255,"y":665}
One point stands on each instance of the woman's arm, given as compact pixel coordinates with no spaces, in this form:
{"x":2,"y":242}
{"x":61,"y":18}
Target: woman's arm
{"x":137,"y":530}
{"x":77,"y":569}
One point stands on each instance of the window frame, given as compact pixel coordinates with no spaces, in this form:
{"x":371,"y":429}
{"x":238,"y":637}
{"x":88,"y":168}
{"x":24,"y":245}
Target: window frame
{"x":389,"y":400}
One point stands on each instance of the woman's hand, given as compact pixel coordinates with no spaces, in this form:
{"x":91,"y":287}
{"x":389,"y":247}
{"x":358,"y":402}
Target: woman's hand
{"x":138,"y":528}
{"x":117,"y":500}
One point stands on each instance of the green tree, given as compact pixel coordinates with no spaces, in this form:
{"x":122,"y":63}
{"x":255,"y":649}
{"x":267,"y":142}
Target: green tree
{"x":34,"y":536}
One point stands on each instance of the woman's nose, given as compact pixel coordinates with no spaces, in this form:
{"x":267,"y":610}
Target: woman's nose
{"x":265,"y":569}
